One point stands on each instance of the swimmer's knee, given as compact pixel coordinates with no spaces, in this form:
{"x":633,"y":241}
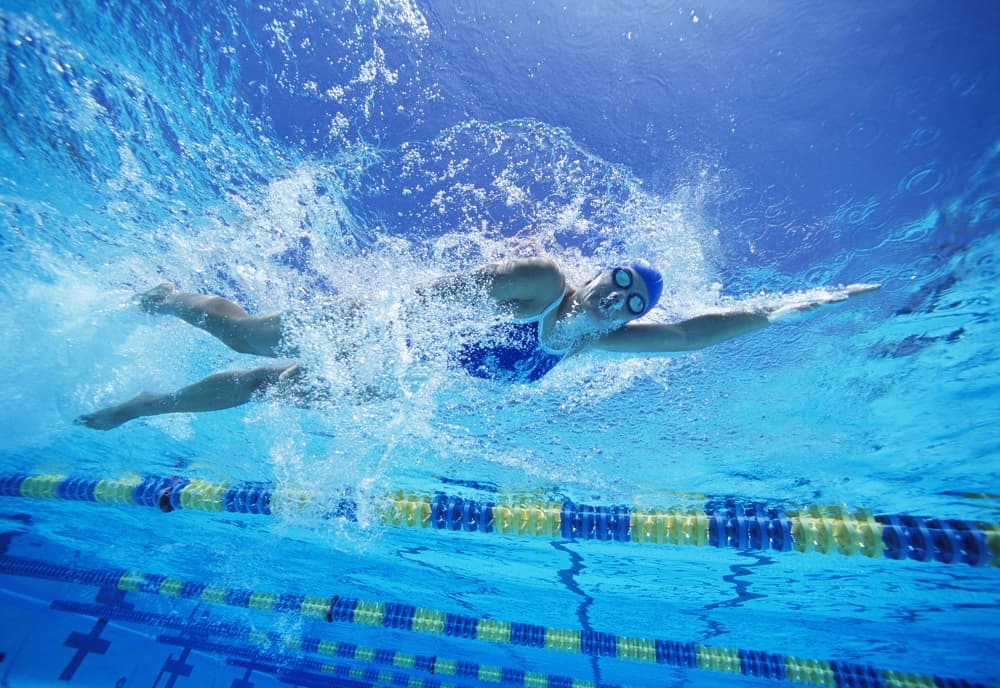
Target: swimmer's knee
{"x":290,"y":372}
{"x":286,"y":373}
{"x":262,"y":380}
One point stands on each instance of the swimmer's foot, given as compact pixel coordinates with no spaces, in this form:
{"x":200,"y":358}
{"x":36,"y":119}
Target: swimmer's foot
{"x":112,"y":416}
{"x":159,"y":299}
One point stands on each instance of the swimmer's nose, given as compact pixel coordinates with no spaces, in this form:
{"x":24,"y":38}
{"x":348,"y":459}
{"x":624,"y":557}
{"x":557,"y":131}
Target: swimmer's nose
{"x":613,"y":301}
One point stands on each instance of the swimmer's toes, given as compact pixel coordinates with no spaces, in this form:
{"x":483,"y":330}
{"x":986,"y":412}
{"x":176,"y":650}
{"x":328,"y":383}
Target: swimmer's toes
{"x":154,"y":300}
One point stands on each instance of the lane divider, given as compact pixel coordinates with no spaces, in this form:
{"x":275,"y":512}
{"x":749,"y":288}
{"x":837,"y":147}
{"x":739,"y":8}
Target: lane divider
{"x":726,"y":524}
{"x":303,"y":668}
{"x":286,"y":643}
{"x":406,"y":617}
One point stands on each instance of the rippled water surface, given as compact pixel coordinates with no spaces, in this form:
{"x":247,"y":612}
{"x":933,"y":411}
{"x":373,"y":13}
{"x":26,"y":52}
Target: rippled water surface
{"x":287,"y":155}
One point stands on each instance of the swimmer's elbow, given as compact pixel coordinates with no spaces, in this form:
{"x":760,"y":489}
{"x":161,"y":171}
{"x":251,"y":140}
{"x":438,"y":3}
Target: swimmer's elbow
{"x":646,"y":338}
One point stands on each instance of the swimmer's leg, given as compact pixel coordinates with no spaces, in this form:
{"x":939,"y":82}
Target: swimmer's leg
{"x":213,"y":393}
{"x":223,"y":319}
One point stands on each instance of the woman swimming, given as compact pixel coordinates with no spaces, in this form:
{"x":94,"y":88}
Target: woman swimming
{"x":548,"y":321}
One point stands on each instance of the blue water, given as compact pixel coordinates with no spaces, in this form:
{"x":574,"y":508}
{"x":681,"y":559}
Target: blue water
{"x":281,"y":154}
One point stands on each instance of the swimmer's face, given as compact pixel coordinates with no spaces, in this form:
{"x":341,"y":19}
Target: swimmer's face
{"x":617,"y":295}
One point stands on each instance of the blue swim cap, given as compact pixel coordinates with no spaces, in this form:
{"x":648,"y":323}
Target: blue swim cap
{"x":651,"y":276}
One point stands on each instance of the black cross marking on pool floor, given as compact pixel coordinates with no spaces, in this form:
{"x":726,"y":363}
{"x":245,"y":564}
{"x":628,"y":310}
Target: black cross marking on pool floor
{"x":91,"y":642}
{"x":113,"y":597}
{"x":85,"y":644}
{"x":176,"y":667}
{"x":244,"y":682}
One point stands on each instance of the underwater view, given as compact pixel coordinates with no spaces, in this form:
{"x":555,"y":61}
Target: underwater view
{"x":267,"y":266}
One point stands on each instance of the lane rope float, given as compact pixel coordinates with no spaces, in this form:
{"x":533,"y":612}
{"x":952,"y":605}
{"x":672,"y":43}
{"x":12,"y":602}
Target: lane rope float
{"x":746,"y":526}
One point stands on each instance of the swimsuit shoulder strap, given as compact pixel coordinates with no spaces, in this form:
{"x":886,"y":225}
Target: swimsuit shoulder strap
{"x":541,"y":316}
{"x":540,"y":319}
{"x":551,"y":307}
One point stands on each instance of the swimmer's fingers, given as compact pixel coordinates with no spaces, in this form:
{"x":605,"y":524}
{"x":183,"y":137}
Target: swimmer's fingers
{"x":843,"y":293}
{"x":800,"y":306}
{"x":856,"y":289}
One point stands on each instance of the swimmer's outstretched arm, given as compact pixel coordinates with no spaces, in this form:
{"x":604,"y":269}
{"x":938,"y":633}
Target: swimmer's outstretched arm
{"x":705,"y":330}
{"x":213,"y":393}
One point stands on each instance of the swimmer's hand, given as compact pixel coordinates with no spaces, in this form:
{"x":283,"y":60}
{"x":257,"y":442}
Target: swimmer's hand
{"x":797,"y":304}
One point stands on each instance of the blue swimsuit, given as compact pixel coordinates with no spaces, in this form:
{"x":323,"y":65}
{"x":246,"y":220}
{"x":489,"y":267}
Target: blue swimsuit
{"x":511,"y":352}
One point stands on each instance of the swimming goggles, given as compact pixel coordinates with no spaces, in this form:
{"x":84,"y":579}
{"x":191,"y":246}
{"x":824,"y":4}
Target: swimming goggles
{"x":623,"y":278}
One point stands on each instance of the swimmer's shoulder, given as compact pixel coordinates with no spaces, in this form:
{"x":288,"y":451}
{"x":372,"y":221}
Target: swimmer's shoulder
{"x":530,"y":285}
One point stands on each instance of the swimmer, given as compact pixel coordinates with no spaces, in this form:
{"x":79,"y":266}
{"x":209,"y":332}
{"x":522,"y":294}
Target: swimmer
{"x":549,"y":321}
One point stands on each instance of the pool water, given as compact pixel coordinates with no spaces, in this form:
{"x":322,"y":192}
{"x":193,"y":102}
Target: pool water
{"x":814,"y":503}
